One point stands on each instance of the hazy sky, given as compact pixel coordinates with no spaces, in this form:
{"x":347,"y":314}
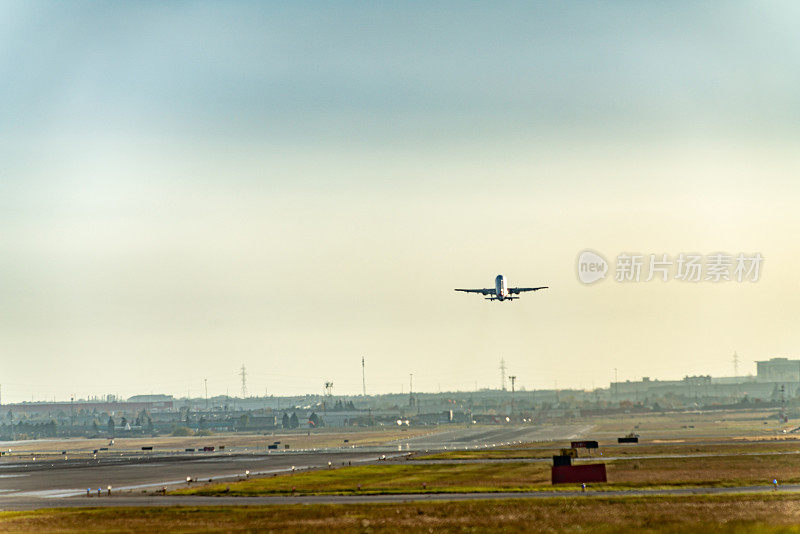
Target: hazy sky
{"x":186,"y":187}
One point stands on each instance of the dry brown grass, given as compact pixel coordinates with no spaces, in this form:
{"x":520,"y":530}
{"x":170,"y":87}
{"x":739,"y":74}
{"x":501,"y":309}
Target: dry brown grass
{"x":758,"y":514}
{"x":710,"y":471}
{"x":756,"y":423}
{"x":645,"y":448}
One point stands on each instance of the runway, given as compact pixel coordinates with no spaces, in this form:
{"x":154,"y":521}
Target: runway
{"x":49,"y":480}
{"x":64,"y":480}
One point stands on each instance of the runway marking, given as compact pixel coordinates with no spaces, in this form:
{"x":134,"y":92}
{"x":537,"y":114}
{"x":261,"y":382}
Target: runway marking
{"x":50,"y":494}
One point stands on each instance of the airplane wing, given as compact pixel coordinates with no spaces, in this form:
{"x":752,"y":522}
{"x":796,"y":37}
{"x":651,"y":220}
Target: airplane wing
{"x":481,"y":291}
{"x":518,"y":290}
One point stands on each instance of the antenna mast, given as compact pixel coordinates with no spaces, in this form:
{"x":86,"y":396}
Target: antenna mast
{"x":243,"y":374}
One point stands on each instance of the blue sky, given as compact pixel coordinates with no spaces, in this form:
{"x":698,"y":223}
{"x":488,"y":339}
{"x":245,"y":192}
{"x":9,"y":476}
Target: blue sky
{"x":192,"y":186}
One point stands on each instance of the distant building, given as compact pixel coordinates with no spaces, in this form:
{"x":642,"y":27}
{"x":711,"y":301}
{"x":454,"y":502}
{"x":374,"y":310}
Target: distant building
{"x":151,"y":398}
{"x":778,"y":370}
{"x":49,"y":409}
{"x":690,"y":386}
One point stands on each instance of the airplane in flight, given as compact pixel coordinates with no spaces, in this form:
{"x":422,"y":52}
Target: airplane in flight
{"x":501,"y":291}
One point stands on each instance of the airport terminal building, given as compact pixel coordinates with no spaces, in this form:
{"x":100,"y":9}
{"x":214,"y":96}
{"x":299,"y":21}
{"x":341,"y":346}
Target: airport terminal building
{"x":770,"y":376}
{"x":778,"y":370}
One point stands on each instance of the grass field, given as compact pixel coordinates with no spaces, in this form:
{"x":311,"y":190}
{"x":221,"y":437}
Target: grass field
{"x":688,"y":424}
{"x":646,"y":448}
{"x":392,"y":478}
{"x":709,"y":471}
{"x":726,"y":514}
{"x":723,"y":471}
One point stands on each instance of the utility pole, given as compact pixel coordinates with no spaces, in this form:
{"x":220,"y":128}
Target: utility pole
{"x":205,"y":386}
{"x":328,"y":394}
{"x":513,"y":379}
{"x":783,"y":416}
{"x":502,"y":374}
{"x":243,"y":374}
{"x":363,"y":378}
{"x":411,"y":389}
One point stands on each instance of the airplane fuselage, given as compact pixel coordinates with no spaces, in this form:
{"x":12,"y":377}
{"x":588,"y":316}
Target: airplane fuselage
{"x":500,"y":287}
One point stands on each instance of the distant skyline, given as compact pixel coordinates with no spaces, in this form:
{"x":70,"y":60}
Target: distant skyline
{"x":188,"y":187}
